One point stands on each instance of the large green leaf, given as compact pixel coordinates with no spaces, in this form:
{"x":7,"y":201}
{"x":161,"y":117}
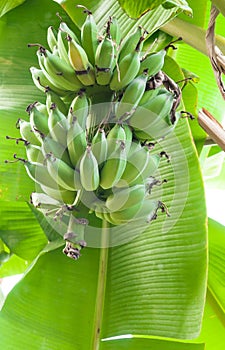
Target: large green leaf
{"x":7,"y":5}
{"x":142,"y":287}
{"x":217,"y":262}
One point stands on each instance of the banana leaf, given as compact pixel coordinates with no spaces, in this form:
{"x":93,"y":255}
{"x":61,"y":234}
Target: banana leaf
{"x":144,"y":286}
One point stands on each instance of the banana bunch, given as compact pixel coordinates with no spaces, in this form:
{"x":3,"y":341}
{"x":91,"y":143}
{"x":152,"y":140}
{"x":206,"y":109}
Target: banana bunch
{"x":86,"y":162}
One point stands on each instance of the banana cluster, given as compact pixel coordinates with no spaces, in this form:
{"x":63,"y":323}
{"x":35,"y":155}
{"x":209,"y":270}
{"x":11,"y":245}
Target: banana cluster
{"x":87,"y":159}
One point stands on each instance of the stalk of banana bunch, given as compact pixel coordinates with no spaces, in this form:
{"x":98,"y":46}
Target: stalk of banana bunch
{"x":87,"y":163}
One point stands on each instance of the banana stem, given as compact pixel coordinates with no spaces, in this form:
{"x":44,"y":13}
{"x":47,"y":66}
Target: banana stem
{"x":100,"y":295}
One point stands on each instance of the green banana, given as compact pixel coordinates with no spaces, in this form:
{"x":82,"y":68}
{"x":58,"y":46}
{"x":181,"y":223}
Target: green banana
{"x":127,"y":69}
{"x":147,"y":96}
{"x":130,"y":44}
{"x":89,"y":36}
{"x":128,"y":137}
{"x":38,"y":120}
{"x":124,"y":216}
{"x":61,"y":172}
{"x":123,"y":198}
{"x":79,"y":61}
{"x":62,"y":45}
{"x":56,"y":80}
{"x":61,"y":195}
{"x":99,"y":146}
{"x":115,"y":137}
{"x":42,"y":82}
{"x":34,"y":154}
{"x":61,"y":71}
{"x":79,"y":108}
{"x":105,"y":58}
{"x":150,"y":168}
{"x":115,"y":31}
{"x":51,"y":146}
{"x":58,"y":125}
{"x":136,"y":163}
{"x":51,"y":38}
{"x":27,"y":132}
{"x":63,"y":27}
{"x":76,"y":142}
{"x":153,"y":63}
{"x":131,"y":97}
{"x":114,"y":167}
{"x":148,"y":120}
{"x":44,"y":201}
{"x":39,"y":174}
{"x":89,"y":173}
{"x":53,"y":97}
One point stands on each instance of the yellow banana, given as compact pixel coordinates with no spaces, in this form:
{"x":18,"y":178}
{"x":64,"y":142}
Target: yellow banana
{"x":76,"y":142}
{"x":89,"y":172}
{"x":79,"y":61}
{"x":131,"y":97}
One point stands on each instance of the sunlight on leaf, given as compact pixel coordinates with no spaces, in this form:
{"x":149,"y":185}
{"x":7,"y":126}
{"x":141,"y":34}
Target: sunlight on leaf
{"x":7,"y":5}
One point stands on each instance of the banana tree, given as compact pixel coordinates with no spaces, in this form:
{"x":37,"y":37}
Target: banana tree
{"x":147,"y":288}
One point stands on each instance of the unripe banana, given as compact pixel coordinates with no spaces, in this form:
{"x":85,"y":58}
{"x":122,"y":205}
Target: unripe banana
{"x":129,"y":45}
{"x":105,"y":58}
{"x":53,"y":97}
{"x":79,"y":108}
{"x":148,"y":120}
{"x":150,"y":168}
{"x":51,"y":146}
{"x":42,"y":82}
{"x":34,"y":153}
{"x":27,"y":133}
{"x":89,"y":173}
{"x":115,"y":137}
{"x":127,"y":69}
{"x":99,"y":146}
{"x":136,"y":163}
{"x":58,"y":125}
{"x":115,"y":31}
{"x":61,"y":172}
{"x":51,"y":38}
{"x":39,"y":174}
{"x":123,"y":198}
{"x":89,"y":36}
{"x":61,"y":195}
{"x":147,"y":96}
{"x":113,"y":167}
{"x":63,"y":27}
{"x":79,"y":60}
{"x":123,"y":216}
{"x":128,"y":137}
{"x":44,"y":201}
{"x":76,"y":142}
{"x":62,"y":45}
{"x":55,"y":79}
{"x":38,"y":120}
{"x":61,"y":71}
{"x":153,"y":62}
{"x":131,"y":97}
